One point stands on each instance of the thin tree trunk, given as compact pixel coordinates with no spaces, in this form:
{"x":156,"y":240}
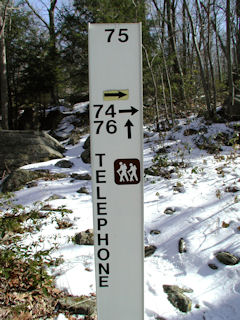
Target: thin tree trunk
{"x":4,"y":86}
{"x":177,"y":63}
{"x":218,"y":37}
{"x":155,"y":89}
{"x":169,"y":87}
{"x":184,"y":39}
{"x":52,"y":45}
{"x":162,"y":15}
{"x":163,"y":20}
{"x":53,"y":51}
{"x":161,"y":41}
{"x":170,"y":33}
{"x":229,"y":58}
{"x":238,"y":34}
{"x":201,"y":23}
{"x":214,"y":24}
{"x":164,"y":95}
{"x":209,"y":45}
{"x":172,"y":42}
{"x":3,"y":71}
{"x":203,"y":78}
{"x":219,"y":67}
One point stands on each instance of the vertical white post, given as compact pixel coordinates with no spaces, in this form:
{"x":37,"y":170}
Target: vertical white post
{"x":115,"y":84}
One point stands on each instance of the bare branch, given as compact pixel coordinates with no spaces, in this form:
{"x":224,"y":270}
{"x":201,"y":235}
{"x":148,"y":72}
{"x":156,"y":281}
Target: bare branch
{"x":155,"y":5}
{"x":36,"y":14}
{"x":44,"y":4}
{"x":216,"y":31}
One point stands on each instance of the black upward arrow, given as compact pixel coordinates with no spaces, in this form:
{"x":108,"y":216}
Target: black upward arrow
{"x":132,"y":111}
{"x":118,"y":94}
{"x":129,"y":125}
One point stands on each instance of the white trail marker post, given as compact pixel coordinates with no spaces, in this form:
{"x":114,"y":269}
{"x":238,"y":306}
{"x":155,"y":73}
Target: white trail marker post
{"x":115,"y":84}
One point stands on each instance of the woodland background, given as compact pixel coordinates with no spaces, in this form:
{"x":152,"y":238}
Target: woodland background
{"x":191,"y":55}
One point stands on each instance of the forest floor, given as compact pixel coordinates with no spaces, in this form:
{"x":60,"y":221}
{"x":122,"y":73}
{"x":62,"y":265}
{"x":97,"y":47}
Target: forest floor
{"x":191,"y":218}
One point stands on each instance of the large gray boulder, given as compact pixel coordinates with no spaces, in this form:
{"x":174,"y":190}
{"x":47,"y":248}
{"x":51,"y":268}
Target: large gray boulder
{"x":18,"y":148}
{"x":19,"y":178}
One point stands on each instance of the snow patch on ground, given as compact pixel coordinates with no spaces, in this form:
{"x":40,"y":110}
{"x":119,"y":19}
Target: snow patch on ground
{"x":199,"y":213}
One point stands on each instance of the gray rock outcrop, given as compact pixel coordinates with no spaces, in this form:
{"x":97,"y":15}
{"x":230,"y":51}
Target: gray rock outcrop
{"x":19,"y":178}
{"x":18,"y":148}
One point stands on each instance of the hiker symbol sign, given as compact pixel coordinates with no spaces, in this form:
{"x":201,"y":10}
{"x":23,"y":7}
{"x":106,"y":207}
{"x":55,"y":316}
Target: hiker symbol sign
{"x":127,"y":171}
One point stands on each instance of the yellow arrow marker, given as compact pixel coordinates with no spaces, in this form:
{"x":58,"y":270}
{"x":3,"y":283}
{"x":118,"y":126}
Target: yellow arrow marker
{"x":110,"y":95}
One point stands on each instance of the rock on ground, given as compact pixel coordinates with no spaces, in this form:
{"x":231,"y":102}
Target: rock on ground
{"x":18,"y":148}
{"x":227,"y":258}
{"x":19,"y":178}
{"x":85,"y":237}
{"x":177,"y":298}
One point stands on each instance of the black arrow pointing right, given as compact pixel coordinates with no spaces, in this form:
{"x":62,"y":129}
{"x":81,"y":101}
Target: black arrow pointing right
{"x":129,"y":125}
{"x":117,"y":94}
{"x":132,"y":110}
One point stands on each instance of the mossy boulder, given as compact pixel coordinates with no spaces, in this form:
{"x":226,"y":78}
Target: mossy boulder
{"x":83,"y":305}
{"x":18,"y":148}
{"x":85,"y":237}
{"x":19,"y":178}
{"x":227,"y":258}
{"x":64,"y":164}
{"x":177,"y":297}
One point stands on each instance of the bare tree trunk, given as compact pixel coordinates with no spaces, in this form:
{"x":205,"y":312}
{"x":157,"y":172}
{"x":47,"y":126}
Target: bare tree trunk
{"x":238,"y":34}
{"x":4,"y":86}
{"x":217,"y":40}
{"x":209,"y":47}
{"x":229,"y":58}
{"x":219,"y":67}
{"x":161,"y":43}
{"x":214,"y":24}
{"x":52,"y":44}
{"x":53,"y":51}
{"x":184,"y":39}
{"x":172,"y":46}
{"x":155,"y":89}
{"x":203,"y":78}
{"x":3,"y":67}
{"x":201,"y":24}
{"x":163,"y":20}
{"x":169,"y":87}
{"x":171,"y":35}
{"x":170,"y":10}
{"x":164,"y":95}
